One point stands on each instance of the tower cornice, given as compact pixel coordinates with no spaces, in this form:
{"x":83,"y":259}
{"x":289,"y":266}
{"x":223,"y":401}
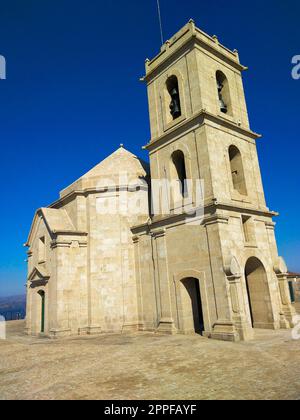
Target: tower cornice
{"x":213,"y":213}
{"x":198,"y":120}
{"x":182,"y":41}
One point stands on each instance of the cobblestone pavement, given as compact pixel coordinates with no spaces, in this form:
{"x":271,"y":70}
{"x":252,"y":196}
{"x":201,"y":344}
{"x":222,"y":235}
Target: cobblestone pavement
{"x":148,"y":366}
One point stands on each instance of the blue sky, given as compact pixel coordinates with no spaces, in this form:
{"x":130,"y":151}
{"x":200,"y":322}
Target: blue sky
{"x":73,"y":70}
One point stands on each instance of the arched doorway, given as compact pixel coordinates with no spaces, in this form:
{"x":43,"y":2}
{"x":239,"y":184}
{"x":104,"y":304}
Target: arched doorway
{"x":258,"y":293}
{"x":192,"y":306}
{"x":42,"y":300}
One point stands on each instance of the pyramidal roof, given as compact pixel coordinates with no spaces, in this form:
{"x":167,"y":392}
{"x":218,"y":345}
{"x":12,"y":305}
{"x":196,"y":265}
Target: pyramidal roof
{"x":120,"y":161}
{"x":122,"y":165}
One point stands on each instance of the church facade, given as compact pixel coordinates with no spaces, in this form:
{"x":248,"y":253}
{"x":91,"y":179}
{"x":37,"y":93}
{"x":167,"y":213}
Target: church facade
{"x":186,"y":245}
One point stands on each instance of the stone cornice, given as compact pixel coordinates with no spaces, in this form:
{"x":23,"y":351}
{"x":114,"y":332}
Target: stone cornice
{"x":236,"y":208}
{"x":215,"y":219}
{"x":197,"y":120}
{"x":135,"y":239}
{"x":235,"y":278}
{"x":158,"y":233}
{"x":181,"y":42}
{"x":70,"y":233}
{"x":38,"y":282}
{"x":56,"y":233}
{"x":87,"y":191}
{"x":240,"y":209}
{"x":64,"y":243}
{"x":211,"y":217}
{"x":270,"y":225}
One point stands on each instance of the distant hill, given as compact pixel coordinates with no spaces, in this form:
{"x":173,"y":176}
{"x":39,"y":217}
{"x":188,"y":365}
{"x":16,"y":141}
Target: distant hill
{"x":13,"y":307}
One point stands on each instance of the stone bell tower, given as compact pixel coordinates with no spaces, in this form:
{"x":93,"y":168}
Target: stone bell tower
{"x":222,"y":277}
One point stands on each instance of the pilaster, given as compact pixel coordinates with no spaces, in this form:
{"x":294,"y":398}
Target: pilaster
{"x":224,"y":328}
{"x":239,"y":318}
{"x":288,"y":311}
{"x":166,"y":322}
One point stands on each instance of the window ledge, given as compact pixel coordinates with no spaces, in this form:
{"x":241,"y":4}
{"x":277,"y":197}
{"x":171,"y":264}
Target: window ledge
{"x":172,"y":124}
{"x":182,"y":204}
{"x":236,"y":196}
{"x":228,"y":117}
{"x":251,"y":245}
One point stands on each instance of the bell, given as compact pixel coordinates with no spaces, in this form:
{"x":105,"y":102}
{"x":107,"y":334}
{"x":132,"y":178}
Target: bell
{"x":223,"y":106}
{"x":175,"y":104}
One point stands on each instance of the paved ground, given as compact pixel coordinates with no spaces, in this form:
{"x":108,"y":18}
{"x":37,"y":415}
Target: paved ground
{"x":147,"y":366}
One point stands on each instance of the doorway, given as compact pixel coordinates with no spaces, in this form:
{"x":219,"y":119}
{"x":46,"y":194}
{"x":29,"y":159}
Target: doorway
{"x":42,"y":297}
{"x":258,"y":294}
{"x":192,"y":306}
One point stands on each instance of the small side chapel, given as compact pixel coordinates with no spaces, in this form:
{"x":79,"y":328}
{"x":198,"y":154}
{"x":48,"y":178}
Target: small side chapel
{"x":92,"y":271}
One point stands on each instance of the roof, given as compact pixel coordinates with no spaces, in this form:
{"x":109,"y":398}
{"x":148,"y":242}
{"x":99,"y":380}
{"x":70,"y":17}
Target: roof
{"x":56,"y":221}
{"x":293,"y":275}
{"x":119,"y":169}
{"x":120,"y":161}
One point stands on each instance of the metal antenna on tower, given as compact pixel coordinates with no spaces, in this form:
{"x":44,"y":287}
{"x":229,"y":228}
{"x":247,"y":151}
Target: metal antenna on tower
{"x":160,"y":22}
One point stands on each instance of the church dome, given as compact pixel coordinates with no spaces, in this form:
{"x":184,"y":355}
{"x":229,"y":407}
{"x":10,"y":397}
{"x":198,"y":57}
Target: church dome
{"x":121,"y":169}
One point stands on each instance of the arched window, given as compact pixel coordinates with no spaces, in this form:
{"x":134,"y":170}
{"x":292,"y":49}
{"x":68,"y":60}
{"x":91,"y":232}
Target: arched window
{"x":223,"y":93}
{"x":173,"y":89}
{"x":237,"y":170}
{"x":179,"y":173}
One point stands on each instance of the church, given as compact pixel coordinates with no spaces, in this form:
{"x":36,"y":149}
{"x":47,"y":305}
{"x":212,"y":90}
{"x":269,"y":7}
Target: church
{"x":185,"y":245}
